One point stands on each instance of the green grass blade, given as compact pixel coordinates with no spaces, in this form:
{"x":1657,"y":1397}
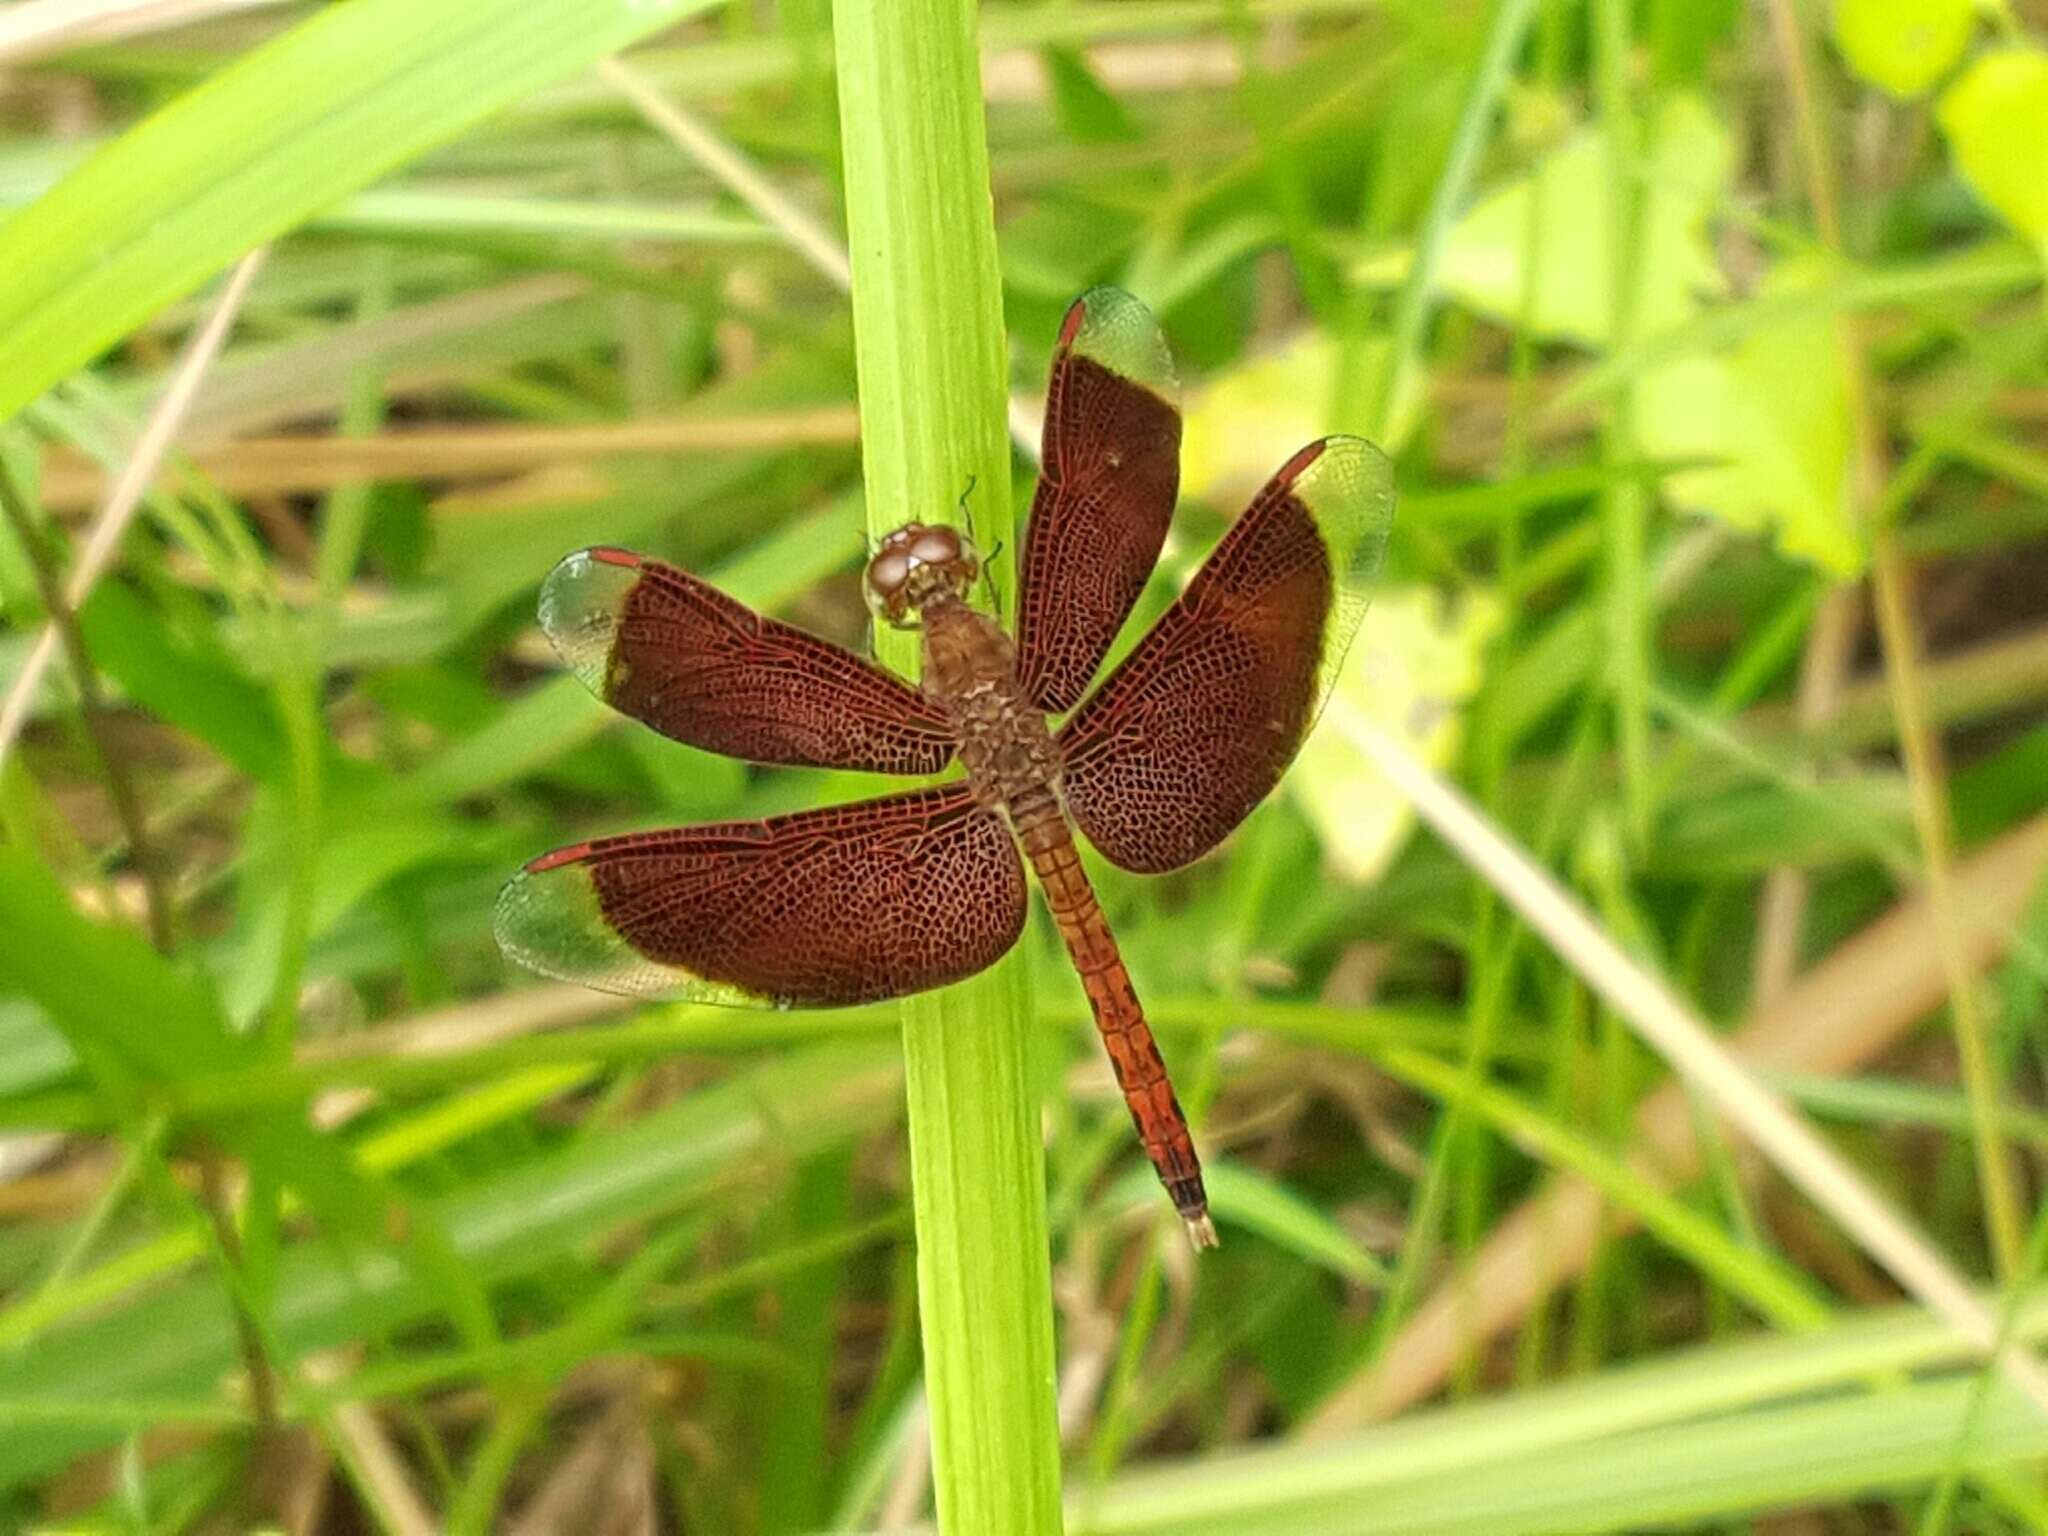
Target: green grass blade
{"x":1838,"y":1449}
{"x":517,"y":1221}
{"x":1413,"y":309}
{"x":327,"y":108}
{"x":928,"y":328}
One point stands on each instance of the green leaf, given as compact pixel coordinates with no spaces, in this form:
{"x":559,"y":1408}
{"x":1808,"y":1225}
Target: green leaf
{"x":1996,"y":119}
{"x":526,"y":734}
{"x":136,"y":1020}
{"x":1244,"y":1197}
{"x":185,"y":679}
{"x":1686,"y":33}
{"x":32,"y":1055}
{"x":1565,"y":201}
{"x":1087,"y":110}
{"x":1415,"y":665}
{"x":128,"y":1012}
{"x":1903,"y":46}
{"x":370,"y":843}
{"x":328,"y":107}
{"x":1608,"y":1453}
{"x":1774,"y":409}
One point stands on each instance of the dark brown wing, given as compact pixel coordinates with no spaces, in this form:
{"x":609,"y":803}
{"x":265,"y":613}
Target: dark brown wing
{"x":1200,"y":721}
{"x":675,"y":652}
{"x":1105,"y":493}
{"x":847,"y":904}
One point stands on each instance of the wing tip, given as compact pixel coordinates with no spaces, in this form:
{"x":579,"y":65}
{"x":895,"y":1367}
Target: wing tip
{"x":580,"y":604}
{"x":578,"y":566}
{"x":1304,"y":456}
{"x":542,"y":919}
{"x":1077,"y":316}
{"x":549,"y":920}
{"x":509,"y":911}
{"x":1347,"y":485}
{"x":1114,"y":329}
{"x":1342,"y":448}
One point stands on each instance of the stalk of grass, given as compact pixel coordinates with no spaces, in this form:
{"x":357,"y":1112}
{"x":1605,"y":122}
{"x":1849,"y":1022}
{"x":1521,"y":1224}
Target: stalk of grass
{"x":1877,"y":508}
{"x":1933,"y":820}
{"x":135,"y":477}
{"x":1793,"y":1147}
{"x":928,"y":332}
{"x":1412,"y":311}
{"x":1627,"y":512}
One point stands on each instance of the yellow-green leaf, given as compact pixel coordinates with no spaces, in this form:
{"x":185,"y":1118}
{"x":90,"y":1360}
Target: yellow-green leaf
{"x":1243,"y":423}
{"x":1413,"y":669}
{"x":1903,"y":46}
{"x":1774,"y":412}
{"x":1569,"y":292}
{"x":1996,"y":119}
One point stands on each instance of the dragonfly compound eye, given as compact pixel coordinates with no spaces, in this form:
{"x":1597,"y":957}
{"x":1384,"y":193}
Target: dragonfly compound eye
{"x":936,"y":546}
{"x":888,"y":575}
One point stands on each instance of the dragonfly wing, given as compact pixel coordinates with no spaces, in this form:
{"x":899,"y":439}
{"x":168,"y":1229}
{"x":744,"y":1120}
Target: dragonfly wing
{"x":1110,"y":474}
{"x":1197,"y":725}
{"x":676,"y":653}
{"x":846,"y":904}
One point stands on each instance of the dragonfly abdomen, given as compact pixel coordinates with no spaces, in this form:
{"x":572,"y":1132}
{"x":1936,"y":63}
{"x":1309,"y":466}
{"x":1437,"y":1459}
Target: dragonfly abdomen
{"x":1119,"y":1016}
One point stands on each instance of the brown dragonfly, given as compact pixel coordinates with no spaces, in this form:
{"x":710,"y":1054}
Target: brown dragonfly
{"x":854,"y":903}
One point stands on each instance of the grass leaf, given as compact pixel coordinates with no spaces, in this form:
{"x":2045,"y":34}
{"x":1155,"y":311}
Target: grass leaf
{"x":336,"y":102}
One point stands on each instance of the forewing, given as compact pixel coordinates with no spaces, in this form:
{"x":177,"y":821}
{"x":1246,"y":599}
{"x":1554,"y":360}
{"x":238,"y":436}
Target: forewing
{"x":1200,"y":721}
{"x":1105,"y":493}
{"x":668,"y":649}
{"x":847,"y":904}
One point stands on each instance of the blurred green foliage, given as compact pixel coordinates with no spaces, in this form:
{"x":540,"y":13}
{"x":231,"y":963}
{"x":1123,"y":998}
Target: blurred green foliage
{"x":1684,"y":321}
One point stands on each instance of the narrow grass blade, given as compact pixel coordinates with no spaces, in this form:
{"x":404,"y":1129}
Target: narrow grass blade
{"x":928,"y":328}
{"x":333,"y":104}
{"x":1792,"y":1145}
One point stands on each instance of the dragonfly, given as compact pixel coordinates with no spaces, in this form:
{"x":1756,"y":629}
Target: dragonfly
{"x":1156,"y":764}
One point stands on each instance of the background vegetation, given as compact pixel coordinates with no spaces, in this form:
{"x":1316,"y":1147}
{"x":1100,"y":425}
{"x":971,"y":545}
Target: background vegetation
{"x":1709,"y":340}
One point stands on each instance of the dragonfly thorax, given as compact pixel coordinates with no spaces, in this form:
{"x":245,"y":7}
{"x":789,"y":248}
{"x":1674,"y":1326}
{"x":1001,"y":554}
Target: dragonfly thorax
{"x":916,"y":565}
{"x":970,"y":669}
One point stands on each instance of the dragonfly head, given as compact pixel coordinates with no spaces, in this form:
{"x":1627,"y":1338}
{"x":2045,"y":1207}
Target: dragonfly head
{"x":916,"y":564}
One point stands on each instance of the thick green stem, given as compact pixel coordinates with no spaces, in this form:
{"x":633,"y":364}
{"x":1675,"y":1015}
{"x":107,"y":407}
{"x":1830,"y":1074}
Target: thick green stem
{"x":928,"y":324}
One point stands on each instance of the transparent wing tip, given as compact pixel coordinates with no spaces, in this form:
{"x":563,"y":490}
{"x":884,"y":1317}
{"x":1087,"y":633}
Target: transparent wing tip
{"x":1347,"y":484}
{"x":580,"y":605}
{"x":548,"y":919}
{"x":1108,"y":326}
